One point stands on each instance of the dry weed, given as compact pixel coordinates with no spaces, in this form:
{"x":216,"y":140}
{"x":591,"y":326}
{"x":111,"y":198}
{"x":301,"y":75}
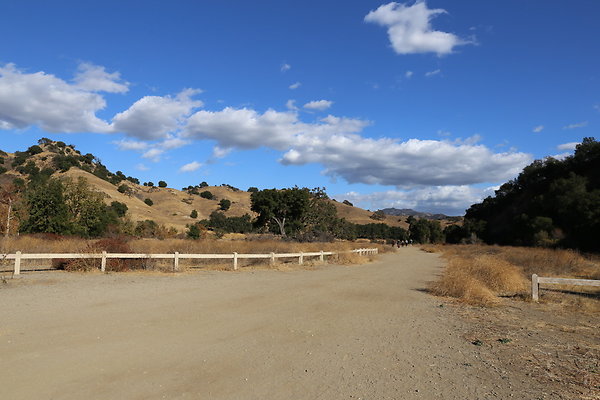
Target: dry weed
{"x":480,"y":274}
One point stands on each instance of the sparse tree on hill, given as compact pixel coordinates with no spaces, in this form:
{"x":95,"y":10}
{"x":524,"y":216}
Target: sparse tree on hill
{"x":224,"y":204}
{"x":149,"y":202}
{"x":285,"y":207}
{"x":194,"y":214}
{"x":162,"y":184}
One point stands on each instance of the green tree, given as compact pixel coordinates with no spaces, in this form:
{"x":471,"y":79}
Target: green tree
{"x":252,"y":189}
{"x":194,"y":214}
{"x":47,"y":211}
{"x":162,"y":184}
{"x":224,"y":204}
{"x":207,"y":195}
{"x":285,"y":208}
{"x":149,"y":202}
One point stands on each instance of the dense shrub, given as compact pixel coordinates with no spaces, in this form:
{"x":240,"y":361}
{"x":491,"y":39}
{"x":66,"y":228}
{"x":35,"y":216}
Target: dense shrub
{"x":207,"y":195}
{"x":162,"y":184}
{"x":224,"y":204}
{"x":149,"y":202}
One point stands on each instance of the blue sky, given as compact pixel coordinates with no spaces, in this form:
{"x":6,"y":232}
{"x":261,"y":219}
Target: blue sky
{"x":424,"y":105}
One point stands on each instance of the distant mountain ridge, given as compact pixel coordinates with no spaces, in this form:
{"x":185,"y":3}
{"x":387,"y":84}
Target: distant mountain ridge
{"x":405,"y":212}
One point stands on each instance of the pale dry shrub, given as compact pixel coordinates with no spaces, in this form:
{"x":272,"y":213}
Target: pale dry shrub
{"x":507,"y":271}
{"x":480,"y":280}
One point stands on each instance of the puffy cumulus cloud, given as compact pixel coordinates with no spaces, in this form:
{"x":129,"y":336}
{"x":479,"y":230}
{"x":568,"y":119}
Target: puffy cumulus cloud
{"x":319,"y":105}
{"x":154,"y":117}
{"x":190,"y":167}
{"x":220,"y":152}
{"x":577,"y":125}
{"x":247,"y":129}
{"x":410,"y":31}
{"x":42,"y":99}
{"x":94,"y":78}
{"x":538,"y":129}
{"x":402,"y":164}
{"x":449,"y":200}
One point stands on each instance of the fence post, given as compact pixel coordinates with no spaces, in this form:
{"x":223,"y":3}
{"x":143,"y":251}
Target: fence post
{"x":17,"y":263}
{"x":301,"y":258}
{"x":235,"y":261}
{"x":272,"y":258}
{"x":103,"y":265}
{"x":176,"y":262}
{"x":321,"y":257}
{"x":535,"y":285}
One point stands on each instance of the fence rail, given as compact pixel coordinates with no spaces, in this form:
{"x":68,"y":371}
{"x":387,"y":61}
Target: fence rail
{"x":536,"y":280}
{"x":18,"y":256}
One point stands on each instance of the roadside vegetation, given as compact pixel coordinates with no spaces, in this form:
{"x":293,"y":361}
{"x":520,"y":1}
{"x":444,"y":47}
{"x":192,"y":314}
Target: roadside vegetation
{"x":483,"y":275}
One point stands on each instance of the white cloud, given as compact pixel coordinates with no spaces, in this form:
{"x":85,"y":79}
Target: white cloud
{"x":141,"y":167}
{"x":567,"y":146}
{"x":432,"y":73}
{"x":154,"y":117}
{"x":291,"y":105}
{"x":153,"y":154}
{"x":247,"y":129}
{"x":335,"y":143}
{"x":449,"y":200}
{"x":131,"y":145}
{"x":190,"y":167}
{"x":25,"y":100}
{"x":220,"y":152}
{"x":538,"y":128}
{"x":577,"y":125}
{"x":408,"y":74}
{"x":94,"y":78}
{"x":295,"y":86}
{"x":172,"y":142}
{"x":319,"y":105}
{"x":285,"y":67}
{"x":413,"y":162}
{"x":444,"y":133}
{"x":410,"y":31}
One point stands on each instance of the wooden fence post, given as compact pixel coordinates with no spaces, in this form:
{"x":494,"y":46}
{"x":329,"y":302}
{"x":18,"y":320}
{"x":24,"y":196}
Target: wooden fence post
{"x":176,"y":262}
{"x":301,"y":258}
{"x":535,"y":286}
{"x":17,"y":263}
{"x":103,"y":265}
{"x":235,"y":261}
{"x":272,"y":258}
{"x":321,"y":257}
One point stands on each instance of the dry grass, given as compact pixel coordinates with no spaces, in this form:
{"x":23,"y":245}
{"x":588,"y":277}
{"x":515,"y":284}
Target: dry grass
{"x":254,"y":244}
{"x":481,"y":275}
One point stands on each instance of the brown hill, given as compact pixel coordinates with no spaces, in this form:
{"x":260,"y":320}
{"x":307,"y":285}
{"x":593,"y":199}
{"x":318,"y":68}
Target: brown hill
{"x":171,"y":207}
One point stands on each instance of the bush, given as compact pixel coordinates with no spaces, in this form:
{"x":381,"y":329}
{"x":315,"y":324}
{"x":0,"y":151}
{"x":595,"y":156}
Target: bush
{"x":194,"y":214}
{"x":346,"y":202}
{"x":224,"y":204}
{"x":252,"y":189}
{"x":207,"y":195}
{"x":123,"y":189}
{"x":162,"y":184}
{"x":149,"y":202}
{"x":35,"y":149}
{"x":2,"y":170}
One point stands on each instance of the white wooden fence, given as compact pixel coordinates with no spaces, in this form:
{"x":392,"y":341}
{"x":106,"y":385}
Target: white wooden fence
{"x":536,"y":280}
{"x":18,"y":256}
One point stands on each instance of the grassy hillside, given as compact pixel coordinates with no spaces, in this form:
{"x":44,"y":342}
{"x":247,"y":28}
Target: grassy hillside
{"x":170,"y":207}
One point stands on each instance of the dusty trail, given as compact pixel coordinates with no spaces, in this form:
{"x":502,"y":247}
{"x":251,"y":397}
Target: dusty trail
{"x":334,"y":333}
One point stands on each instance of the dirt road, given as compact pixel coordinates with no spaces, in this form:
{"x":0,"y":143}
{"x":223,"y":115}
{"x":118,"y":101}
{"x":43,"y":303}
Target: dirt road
{"x":338,"y":332}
